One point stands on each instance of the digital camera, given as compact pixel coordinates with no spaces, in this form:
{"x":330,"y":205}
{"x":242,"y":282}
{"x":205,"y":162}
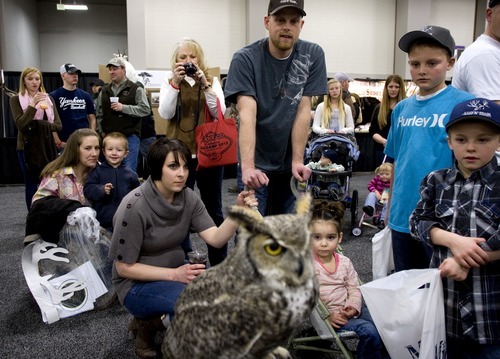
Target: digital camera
{"x":190,"y":68}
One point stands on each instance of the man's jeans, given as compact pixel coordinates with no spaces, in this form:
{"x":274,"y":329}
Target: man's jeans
{"x":133,"y":152}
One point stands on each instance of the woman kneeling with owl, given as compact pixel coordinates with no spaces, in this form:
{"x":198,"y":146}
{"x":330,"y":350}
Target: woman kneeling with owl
{"x":149,"y":271}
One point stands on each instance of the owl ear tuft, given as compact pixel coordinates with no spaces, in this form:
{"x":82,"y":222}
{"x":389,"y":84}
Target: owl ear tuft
{"x":303,"y":206}
{"x":245,"y":216}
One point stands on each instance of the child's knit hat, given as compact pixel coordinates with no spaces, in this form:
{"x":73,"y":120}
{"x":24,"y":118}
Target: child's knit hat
{"x":331,"y":155}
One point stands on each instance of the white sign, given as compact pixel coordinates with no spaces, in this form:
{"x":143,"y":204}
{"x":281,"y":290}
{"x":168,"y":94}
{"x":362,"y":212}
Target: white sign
{"x":151,"y":78}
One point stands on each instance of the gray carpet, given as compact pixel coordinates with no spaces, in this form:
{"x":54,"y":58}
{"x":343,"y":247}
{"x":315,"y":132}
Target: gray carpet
{"x":96,"y":334}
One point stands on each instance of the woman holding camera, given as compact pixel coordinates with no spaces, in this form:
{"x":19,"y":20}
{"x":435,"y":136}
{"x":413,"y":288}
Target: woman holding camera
{"x":183,"y":97}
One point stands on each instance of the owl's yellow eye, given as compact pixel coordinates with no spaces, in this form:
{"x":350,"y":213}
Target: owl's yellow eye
{"x":274,"y":249}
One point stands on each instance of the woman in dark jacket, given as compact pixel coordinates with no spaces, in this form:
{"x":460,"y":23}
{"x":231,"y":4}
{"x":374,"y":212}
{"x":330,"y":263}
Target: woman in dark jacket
{"x":394,"y":91}
{"x":36,"y":119}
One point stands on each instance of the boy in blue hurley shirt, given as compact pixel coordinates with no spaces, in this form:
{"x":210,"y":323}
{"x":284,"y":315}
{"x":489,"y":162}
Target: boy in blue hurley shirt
{"x":459,"y":216}
{"x":112,"y":180}
{"x":417,"y":138}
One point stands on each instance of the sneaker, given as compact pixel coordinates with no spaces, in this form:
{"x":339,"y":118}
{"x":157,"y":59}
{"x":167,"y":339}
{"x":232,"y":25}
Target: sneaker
{"x":368,"y":210}
{"x":333,"y":195}
{"x":315,"y":191}
{"x":381,"y":225}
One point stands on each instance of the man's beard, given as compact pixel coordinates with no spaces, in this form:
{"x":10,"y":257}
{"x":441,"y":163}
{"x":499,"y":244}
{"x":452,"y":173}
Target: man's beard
{"x":283,"y":46}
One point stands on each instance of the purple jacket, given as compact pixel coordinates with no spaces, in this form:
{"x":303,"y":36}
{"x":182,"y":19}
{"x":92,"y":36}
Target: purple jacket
{"x":376,"y":184}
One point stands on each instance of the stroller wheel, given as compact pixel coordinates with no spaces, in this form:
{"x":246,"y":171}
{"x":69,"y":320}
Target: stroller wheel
{"x":356,"y":231}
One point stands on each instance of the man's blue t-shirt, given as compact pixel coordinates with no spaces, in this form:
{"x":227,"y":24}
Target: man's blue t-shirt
{"x":73,"y":108}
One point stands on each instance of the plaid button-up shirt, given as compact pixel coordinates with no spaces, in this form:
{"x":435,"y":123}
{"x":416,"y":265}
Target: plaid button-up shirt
{"x":469,"y":207}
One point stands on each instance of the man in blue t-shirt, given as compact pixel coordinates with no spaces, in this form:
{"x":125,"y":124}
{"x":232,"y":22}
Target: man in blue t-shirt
{"x":272,"y":81}
{"x":75,"y":106}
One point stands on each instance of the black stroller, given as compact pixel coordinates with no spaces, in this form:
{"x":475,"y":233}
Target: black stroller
{"x":347,"y":151}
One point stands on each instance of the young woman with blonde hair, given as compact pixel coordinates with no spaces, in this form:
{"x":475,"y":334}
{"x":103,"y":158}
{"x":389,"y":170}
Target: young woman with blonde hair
{"x":394,"y":91}
{"x":333,"y":115}
{"x":36,"y":118}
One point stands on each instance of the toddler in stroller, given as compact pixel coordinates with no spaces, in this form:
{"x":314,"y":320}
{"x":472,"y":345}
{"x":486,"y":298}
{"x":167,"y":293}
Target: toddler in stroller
{"x":331,"y":183}
{"x":379,"y":192}
{"x":342,"y":151}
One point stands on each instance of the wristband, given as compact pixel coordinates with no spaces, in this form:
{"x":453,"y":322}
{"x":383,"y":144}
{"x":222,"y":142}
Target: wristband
{"x":174,"y":87}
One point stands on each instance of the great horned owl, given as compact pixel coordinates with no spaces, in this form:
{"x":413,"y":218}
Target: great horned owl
{"x":249,"y":304}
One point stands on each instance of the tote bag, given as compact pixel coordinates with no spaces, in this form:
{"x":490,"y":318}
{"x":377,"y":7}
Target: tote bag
{"x":216,"y":140}
{"x":382,"y":258}
{"x":407,"y":308}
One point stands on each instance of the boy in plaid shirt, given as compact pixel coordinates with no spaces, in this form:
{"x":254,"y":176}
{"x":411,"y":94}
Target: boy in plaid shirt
{"x":459,"y":216}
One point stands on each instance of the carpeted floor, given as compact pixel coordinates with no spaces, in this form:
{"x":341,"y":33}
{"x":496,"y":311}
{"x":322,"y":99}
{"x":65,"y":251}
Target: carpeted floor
{"x":96,"y":334}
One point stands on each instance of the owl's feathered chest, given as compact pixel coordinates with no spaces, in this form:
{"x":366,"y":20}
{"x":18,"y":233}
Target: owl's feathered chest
{"x":223,"y":318}
{"x":248,"y":305}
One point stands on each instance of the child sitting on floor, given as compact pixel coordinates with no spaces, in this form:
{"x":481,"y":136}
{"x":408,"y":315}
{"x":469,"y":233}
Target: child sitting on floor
{"x":338,"y":281}
{"x":326,"y":163}
{"x":379,"y":192}
{"x":112,"y":180}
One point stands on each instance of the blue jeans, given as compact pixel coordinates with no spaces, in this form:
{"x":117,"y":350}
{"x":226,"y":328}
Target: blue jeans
{"x":370,"y":343}
{"x":144,"y":146}
{"x":467,"y":349}
{"x":371,"y":200}
{"x":30,"y":183}
{"x":409,"y":253}
{"x":146,"y":300}
{"x":133,"y":152}
{"x":143,"y":154}
{"x":239,"y":180}
{"x":277,"y":197}
{"x":209,"y":182}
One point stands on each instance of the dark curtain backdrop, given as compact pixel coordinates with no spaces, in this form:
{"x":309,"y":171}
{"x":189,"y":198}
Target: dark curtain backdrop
{"x":51,"y":81}
{"x":10,"y":172}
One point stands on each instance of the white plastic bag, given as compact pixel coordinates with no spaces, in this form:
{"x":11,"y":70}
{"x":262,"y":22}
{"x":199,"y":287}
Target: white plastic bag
{"x":382,"y":258}
{"x":408,"y":310}
{"x":74,"y":275}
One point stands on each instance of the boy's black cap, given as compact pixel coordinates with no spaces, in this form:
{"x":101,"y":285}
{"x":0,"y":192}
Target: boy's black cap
{"x":438,"y":34}
{"x":478,"y":109}
{"x":493,"y":3}
{"x":277,"y":5}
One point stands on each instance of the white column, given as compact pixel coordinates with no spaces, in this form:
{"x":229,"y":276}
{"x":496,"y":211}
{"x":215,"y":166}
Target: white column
{"x":136,"y":33}
{"x":410,"y":15}
{"x":256,"y":10}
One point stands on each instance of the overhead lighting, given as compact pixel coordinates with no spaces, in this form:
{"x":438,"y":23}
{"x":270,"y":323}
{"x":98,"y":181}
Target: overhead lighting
{"x":73,"y":6}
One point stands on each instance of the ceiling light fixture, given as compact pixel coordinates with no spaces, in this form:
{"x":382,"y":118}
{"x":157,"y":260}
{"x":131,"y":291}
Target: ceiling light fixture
{"x":73,"y":6}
